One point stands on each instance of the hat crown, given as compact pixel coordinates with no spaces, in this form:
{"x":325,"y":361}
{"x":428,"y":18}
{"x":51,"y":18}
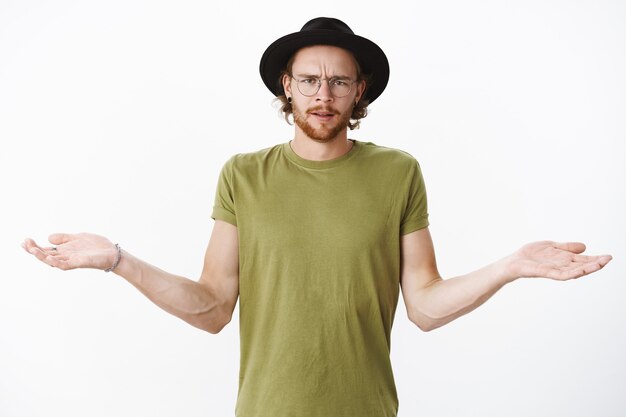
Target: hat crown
{"x":327,"y":23}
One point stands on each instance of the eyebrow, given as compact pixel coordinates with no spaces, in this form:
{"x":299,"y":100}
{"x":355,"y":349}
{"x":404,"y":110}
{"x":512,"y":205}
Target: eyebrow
{"x":317,"y":76}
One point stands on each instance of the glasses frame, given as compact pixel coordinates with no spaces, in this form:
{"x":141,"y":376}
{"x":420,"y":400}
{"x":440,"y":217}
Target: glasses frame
{"x":319,"y":85}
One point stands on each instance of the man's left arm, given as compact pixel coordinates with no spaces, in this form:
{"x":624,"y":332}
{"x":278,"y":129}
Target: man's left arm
{"x":432,"y":301}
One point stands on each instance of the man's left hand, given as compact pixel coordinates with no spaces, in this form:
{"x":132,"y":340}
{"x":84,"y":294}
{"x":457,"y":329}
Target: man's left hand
{"x":554,"y":260}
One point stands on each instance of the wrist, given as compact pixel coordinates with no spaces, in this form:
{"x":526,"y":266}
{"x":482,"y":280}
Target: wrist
{"x":116,"y":258}
{"x":129,"y":268}
{"x":505,"y":271}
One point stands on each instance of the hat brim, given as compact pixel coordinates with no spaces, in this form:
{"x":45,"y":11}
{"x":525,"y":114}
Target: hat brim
{"x":371,"y":58}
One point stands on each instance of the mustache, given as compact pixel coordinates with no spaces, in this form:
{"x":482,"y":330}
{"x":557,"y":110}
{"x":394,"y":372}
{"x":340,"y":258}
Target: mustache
{"x":322,"y":109}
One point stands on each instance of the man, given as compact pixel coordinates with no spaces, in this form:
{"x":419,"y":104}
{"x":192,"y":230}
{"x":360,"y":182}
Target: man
{"x":316,"y":237}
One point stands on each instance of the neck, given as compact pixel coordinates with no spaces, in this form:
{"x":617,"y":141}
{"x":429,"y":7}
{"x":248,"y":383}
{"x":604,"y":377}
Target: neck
{"x":316,"y":150}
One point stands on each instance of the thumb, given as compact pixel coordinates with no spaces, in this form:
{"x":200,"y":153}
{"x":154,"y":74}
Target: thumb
{"x":576,"y":247}
{"x":59,"y":238}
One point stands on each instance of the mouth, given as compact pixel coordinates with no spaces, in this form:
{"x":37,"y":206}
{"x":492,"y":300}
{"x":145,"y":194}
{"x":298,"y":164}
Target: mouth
{"x":322,"y":115}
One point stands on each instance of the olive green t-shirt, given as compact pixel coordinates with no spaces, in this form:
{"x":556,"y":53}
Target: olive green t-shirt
{"x":319,"y":275}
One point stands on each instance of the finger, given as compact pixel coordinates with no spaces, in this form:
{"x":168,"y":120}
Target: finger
{"x":60,"y":238}
{"x":602,"y":259}
{"x":575,"y":247}
{"x":586,"y":269}
{"x":41,"y":255}
{"x":57,"y":255}
{"x":605,"y":259}
{"x":565,"y":274}
{"x":584,"y":258}
{"x":582,"y":270}
{"x":29,"y":244}
{"x":63,"y":264}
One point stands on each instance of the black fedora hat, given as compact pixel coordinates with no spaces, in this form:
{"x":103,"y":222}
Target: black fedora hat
{"x":326,"y":31}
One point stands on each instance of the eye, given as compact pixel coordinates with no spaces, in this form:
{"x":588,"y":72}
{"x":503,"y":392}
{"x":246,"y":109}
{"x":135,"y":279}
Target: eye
{"x":340,"y":82}
{"x":309,"y":81}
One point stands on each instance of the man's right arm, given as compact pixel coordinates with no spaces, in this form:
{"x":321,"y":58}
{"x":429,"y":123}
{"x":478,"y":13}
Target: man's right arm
{"x":207,"y":304}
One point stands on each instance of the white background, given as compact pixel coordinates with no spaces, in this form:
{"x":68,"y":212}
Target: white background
{"x":116,"y":117}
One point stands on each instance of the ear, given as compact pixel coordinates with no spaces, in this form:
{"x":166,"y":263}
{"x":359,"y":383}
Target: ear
{"x":287,"y":84}
{"x":360,"y":90}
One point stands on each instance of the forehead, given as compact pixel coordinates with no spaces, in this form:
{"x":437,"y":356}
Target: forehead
{"x":313,"y":59}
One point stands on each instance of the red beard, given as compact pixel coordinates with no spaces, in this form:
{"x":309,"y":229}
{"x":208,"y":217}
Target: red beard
{"x":327,"y":131}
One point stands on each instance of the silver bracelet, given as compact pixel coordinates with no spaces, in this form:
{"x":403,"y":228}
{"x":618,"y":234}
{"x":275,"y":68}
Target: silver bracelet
{"x":117,"y":261}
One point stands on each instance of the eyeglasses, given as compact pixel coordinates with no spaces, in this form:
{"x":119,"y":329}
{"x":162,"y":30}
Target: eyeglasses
{"x":339,"y":87}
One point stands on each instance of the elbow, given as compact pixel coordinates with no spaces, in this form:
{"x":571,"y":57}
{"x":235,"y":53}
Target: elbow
{"x":214,"y":318}
{"x":213,"y":330}
{"x":425,"y":323}
{"x":212,"y":325}
{"x":426,"y":316}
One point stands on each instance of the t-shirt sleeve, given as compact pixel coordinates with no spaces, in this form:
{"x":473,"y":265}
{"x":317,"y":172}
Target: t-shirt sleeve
{"x":415,"y":215}
{"x":224,"y":205}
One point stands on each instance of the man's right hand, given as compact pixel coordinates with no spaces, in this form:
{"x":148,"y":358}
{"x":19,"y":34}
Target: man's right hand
{"x":207,"y":304}
{"x":81,"y":250}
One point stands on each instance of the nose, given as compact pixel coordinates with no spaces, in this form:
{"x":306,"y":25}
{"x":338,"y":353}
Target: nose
{"x":324,"y":94}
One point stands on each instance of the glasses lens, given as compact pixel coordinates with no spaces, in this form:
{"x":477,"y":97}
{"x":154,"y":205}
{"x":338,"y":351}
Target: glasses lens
{"x":308,"y":86}
{"x":340,"y":88}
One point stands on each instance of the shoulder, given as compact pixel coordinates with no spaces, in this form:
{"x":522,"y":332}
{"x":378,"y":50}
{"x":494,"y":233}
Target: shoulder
{"x":388,"y":156}
{"x":249,"y":160}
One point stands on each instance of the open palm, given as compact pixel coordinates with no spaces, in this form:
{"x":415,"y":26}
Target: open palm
{"x":555,"y":260}
{"x":81,"y":250}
